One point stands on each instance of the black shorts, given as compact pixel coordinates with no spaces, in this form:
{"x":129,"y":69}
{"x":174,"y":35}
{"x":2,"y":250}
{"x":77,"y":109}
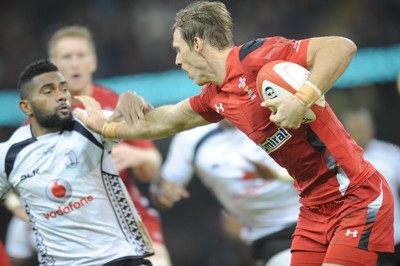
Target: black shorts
{"x":129,"y":262}
{"x":265,"y":248}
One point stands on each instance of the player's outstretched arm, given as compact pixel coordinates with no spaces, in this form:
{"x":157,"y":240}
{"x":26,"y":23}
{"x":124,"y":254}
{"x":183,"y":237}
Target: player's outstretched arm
{"x":131,"y":107}
{"x":158,"y":123}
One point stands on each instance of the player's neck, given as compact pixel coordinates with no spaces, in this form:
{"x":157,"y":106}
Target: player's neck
{"x":219,"y":62}
{"x":38,"y":131}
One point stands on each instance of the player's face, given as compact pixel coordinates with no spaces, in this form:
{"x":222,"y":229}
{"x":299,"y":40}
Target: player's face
{"x":76,"y":60}
{"x":190,"y":60}
{"x":51,"y":101}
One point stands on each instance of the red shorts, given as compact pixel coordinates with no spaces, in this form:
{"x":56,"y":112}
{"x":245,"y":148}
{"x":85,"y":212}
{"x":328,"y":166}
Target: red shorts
{"x":362,"y":219}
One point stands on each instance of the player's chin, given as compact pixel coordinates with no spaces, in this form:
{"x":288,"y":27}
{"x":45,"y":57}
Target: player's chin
{"x":64,"y":113}
{"x":65,"y":116}
{"x":200,"y":82}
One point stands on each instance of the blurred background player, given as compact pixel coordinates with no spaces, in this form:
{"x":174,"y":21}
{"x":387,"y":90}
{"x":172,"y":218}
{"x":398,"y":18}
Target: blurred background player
{"x":244,"y":181}
{"x":385,"y":156}
{"x":4,"y":261}
{"x":72,"y":49}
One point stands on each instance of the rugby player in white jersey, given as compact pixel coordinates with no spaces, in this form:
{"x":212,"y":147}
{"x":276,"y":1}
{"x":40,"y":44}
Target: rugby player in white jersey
{"x":251,"y":187}
{"x":77,"y":205}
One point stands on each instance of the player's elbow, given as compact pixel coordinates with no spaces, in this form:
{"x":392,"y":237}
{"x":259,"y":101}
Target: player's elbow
{"x":347,"y":47}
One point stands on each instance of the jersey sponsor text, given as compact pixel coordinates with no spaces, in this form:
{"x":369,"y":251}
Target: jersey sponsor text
{"x":70,"y":207}
{"x":275,"y":141}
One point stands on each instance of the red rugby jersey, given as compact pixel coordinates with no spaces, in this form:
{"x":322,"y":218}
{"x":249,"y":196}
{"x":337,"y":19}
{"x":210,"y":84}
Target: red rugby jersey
{"x":324,"y":160}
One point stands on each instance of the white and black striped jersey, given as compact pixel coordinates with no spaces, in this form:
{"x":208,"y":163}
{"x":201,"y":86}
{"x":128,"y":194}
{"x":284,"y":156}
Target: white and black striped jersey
{"x":220,"y":160}
{"x":78,"y":207}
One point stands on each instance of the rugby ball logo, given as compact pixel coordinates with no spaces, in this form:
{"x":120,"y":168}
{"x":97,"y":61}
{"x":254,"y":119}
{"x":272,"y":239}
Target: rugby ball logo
{"x":282,"y":78}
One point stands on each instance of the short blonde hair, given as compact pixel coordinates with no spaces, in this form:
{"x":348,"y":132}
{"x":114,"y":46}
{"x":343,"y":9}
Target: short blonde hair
{"x":70,"y":31}
{"x":210,"y":21}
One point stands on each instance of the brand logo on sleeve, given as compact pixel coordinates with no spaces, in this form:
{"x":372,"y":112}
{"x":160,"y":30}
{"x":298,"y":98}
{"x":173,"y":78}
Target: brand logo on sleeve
{"x":296,"y":46}
{"x":219,"y":108}
{"x":275,"y":141}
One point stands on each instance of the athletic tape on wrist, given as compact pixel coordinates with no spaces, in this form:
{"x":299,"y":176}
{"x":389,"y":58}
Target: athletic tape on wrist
{"x":103,"y":128}
{"x":316,"y":89}
{"x":308,"y":94}
{"x":110,"y":130}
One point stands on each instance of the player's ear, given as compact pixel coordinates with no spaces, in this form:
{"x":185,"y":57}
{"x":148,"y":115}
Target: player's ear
{"x":26,"y":107}
{"x":198,"y":44}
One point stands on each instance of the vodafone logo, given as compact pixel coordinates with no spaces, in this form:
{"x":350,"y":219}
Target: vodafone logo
{"x":59,"y":190}
{"x":69,"y":207}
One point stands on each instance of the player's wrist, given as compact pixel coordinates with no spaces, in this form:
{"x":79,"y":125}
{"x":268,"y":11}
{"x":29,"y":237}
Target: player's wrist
{"x":157,"y":194}
{"x":308,"y":94}
{"x":110,"y":130}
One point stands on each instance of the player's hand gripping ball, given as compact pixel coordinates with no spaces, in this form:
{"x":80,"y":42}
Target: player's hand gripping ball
{"x":282,"y":78}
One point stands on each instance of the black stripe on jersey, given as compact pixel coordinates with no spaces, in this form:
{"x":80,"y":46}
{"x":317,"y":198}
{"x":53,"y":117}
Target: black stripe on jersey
{"x":320,"y":147}
{"x":13,"y":152}
{"x":249,"y":47}
{"x":315,"y":142}
{"x":86,"y":133}
{"x":204,"y":138}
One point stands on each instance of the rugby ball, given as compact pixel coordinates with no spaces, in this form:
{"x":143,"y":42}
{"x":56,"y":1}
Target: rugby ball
{"x":282,"y":78}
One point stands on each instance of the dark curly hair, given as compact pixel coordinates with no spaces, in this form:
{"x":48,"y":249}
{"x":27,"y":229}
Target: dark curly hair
{"x":32,"y":70}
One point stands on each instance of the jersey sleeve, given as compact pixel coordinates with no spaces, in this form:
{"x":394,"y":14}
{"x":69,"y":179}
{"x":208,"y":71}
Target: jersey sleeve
{"x":261,"y":51}
{"x":201,"y":104}
{"x":178,"y":166}
{"x":5,"y":186}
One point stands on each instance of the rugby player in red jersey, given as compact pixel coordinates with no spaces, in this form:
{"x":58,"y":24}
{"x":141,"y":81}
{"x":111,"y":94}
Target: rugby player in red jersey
{"x":346,"y":217}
